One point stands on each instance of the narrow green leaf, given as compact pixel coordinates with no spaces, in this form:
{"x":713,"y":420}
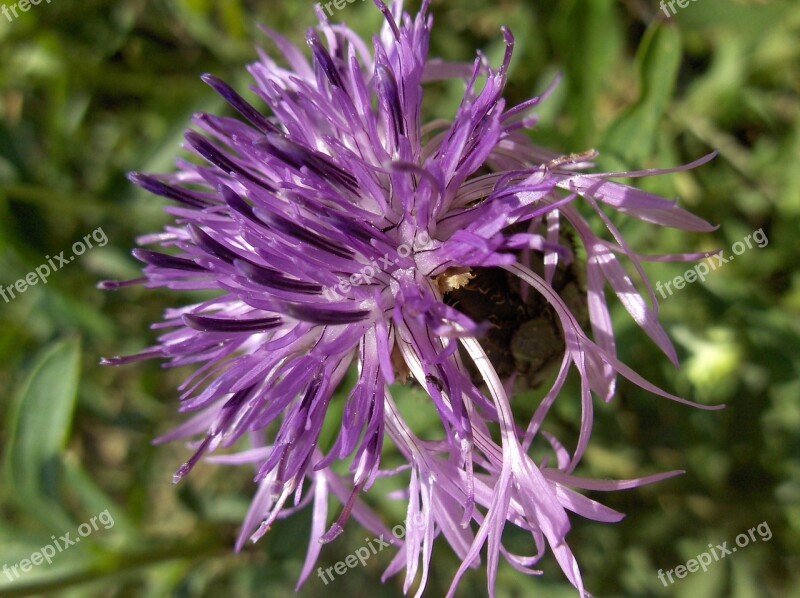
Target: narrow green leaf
{"x":591,"y":28}
{"x":40,"y":425}
{"x":95,"y":500}
{"x":632,"y":137}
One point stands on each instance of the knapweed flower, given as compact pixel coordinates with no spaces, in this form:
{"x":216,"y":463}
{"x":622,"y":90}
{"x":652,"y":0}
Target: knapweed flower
{"x":332,"y":233}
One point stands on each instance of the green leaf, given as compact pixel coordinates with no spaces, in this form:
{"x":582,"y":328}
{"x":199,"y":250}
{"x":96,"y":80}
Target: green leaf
{"x":632,"y":137}
{"x":40,"y":426}
{"x":95,"y":500}
{"x":591,"y":29}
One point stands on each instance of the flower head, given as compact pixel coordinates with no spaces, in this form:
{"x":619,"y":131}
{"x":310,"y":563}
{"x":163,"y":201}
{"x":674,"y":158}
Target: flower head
{"x":335,"y":233}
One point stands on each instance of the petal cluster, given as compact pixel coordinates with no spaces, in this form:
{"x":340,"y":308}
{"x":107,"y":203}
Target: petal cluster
{"x":327,"y":234}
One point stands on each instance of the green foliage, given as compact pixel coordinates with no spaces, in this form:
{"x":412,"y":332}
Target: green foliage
{"x":39,"y":428}
{"x":91,"y":91}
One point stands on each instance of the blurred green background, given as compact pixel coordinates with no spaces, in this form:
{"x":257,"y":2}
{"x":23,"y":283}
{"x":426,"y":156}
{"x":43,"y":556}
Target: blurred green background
{"x":91,"y":90}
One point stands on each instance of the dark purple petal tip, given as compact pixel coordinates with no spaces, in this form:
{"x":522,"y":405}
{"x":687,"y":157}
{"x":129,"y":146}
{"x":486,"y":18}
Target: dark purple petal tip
{"x":208,"y":324}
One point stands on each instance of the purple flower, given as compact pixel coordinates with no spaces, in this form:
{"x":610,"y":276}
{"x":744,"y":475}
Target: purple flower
{"x":331,"y":234}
